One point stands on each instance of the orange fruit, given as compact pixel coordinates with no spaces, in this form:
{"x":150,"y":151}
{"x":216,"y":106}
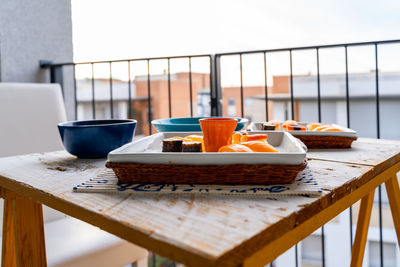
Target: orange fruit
{"x":236,"y":137}
{"x":234,"y":148}
{"x":254,"y":137}
{"x":257,"y":146}
{"x":332,"y":129}
{"x":320,"y":128}
{"x":311,"y":126}
{"x":193,"y":137}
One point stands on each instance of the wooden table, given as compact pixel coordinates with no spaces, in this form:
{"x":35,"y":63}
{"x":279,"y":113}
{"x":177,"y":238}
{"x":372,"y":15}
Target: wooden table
{"x":197,"y":230}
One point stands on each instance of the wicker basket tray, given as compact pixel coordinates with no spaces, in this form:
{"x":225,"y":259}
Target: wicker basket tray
{"x":313,"y":141}
{"x":142,"y":162}
{"x":237,"y":174}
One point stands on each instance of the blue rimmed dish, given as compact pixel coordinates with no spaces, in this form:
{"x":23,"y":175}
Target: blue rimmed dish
{"x":95,"y":138}
{"x":190,"y":124}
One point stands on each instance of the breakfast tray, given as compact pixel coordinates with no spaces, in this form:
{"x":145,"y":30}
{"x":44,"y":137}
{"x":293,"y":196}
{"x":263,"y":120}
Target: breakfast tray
{"x":142,"y":162}
{"x":314,"y":139}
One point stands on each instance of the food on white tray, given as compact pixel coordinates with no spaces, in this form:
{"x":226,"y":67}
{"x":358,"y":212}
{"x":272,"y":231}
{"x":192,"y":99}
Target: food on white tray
{"x":287,"y":123}
{"x":172,"y":145}
{"x":297,"y":127}
{"x":325,"y":128}
{"x":312,"y":125}
{"x":191,"y":146}
{"x":234,"y":148}
{"x":240,"y":142}
{"x":292,"y":125}
{"x":269,"y":126}
{"x":259,"y":146}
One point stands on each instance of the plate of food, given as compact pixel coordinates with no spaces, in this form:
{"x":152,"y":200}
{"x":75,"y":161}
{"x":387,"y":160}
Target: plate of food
{"x":313,"y":135}
{"x":178,"y":158}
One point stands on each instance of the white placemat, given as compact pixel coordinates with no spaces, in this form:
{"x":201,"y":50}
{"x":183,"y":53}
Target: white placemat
{"x":106,"y":182}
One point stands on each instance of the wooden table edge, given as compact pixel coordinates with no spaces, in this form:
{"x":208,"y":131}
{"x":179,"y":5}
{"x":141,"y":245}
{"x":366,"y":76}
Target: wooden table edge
{"x":331,"y":204}
{"x":161,"y":247}
{"x":379,"y":167}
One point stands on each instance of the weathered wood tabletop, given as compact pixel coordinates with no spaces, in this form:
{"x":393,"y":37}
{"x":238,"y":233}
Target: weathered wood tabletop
{"x":206,"y":230}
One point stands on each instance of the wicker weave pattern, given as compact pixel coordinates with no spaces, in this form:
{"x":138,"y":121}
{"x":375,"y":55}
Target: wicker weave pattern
{"x":313,"y":141}
{"x":238,"y":174}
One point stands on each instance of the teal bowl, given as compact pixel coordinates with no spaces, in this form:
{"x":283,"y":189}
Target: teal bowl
{"x":188,"y":124}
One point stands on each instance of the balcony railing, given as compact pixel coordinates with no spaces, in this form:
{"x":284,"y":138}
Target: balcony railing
{"x":221,"y":99}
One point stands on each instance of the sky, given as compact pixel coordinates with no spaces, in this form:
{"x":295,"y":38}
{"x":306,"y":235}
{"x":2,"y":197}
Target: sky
{"x":118,"y":29}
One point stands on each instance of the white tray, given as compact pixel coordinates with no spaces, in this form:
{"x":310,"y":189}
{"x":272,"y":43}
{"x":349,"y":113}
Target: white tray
{"x":148,"y":150}
{"x":257,"y":126}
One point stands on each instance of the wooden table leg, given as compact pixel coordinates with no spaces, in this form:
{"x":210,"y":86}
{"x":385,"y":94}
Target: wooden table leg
{"x":393,"y":192}
{"x":23,"y":232}
{"x":360,"y":240}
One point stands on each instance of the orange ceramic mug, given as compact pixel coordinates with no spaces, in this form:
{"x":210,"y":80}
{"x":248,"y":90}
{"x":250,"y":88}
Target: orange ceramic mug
{"x":217,"y":132}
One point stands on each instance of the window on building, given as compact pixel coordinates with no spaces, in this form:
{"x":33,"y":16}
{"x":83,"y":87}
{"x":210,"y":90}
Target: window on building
{"x":248,"y":102}
{"x":203,"y":104}
{"x":231,"y":107}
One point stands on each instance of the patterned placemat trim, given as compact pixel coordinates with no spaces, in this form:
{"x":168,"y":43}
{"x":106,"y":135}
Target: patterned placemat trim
{"x":106,"y":182}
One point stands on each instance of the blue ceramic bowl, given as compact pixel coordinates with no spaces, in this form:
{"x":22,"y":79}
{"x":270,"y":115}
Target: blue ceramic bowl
{"x":95,"y":138}
{"x":187,"y":124}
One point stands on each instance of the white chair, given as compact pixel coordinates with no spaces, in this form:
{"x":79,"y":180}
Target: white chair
{"x":29,"y":114}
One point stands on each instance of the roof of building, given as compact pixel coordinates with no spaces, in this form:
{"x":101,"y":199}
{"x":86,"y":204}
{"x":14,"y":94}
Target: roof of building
{"x":333,"y":87}
{"x":286,"y":97}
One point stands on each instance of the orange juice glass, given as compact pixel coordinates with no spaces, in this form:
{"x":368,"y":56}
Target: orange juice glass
{"x":217,"y":132}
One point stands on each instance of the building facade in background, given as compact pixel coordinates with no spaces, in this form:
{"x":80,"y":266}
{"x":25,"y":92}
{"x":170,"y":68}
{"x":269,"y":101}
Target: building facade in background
{"x":362,"y":104}
{"x":186,"y":101}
